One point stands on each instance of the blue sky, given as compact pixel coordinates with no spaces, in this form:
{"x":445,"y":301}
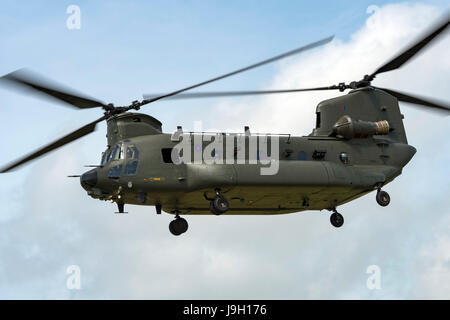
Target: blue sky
{"x":126,"y":49}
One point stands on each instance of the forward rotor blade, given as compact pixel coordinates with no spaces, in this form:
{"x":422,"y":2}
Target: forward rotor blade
{"x":57,"y":144}
{"x":214,"y":94}
{"x":281,"y":56}
{"x":408,"y":53}
{"x":406,"y":97}
{"x":25,"y":79}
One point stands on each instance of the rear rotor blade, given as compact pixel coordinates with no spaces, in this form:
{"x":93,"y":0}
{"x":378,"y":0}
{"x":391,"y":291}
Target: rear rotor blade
{"x":57,"y":144}
{"x":214,"y":94}
{"x":25,"y":79}
{"x":406,"y":97}
{"x":407,"y":54}
{"x":284,"y":55}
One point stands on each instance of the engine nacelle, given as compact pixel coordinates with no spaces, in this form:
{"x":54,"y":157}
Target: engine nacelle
{"x":348,"y":128}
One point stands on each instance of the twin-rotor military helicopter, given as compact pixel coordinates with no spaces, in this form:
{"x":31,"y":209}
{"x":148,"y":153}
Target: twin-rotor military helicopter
{"x":358,"y":145}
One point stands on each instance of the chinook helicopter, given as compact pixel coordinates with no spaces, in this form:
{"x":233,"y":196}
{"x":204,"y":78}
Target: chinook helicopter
{"x":358,"y":146}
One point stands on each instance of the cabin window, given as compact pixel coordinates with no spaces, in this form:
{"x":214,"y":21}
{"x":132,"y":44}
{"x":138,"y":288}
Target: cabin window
{"x":344,"y":157}
{"x":319,"y":154}
{"x":287,"y":153}
{"x":167,"y":155}
{"x":317,"y":119}
{"x":302,"y":155}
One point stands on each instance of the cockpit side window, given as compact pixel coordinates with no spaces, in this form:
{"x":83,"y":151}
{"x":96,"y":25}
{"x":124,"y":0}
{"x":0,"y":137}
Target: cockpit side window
{"x":105,"y":156}
{"x":103,"y":161}
{"x":112,"y":153}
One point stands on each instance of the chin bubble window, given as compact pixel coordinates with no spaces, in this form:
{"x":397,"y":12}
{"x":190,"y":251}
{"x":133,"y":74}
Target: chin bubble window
{"x":114,"y":172}
{"x":131,"y":168}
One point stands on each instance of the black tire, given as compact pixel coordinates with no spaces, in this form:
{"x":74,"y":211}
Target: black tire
{"x":178,"y":226}
{"x":383,"y":198}
{"x":219,"y":205}
{"x":337,"y":220}
{"x":172,"y":229}
{"x":212,"y":209}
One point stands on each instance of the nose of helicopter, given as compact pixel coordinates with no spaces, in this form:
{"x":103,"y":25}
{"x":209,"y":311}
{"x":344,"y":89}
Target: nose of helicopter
{"x":88,"y":179}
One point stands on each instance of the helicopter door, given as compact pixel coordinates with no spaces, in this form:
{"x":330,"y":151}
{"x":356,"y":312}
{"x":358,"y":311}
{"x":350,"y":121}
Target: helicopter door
{"x":173,"y":174}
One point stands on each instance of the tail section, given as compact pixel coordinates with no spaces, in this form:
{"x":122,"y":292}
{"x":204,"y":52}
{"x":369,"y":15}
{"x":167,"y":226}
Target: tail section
{"x":362,"y":105}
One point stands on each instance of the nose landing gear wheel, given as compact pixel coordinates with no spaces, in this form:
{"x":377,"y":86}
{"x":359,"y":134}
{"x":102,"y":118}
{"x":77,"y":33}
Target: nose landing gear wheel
{"x":219,"y":205}
{"x":383,"y":198}
{"x":178,"y":226}
{"x":336,"y":219}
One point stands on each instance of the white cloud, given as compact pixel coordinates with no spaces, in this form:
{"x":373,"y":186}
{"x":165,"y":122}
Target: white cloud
{"x":433,"y":264}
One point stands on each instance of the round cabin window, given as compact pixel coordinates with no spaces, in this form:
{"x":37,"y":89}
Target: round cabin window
{"x":344,"y":157}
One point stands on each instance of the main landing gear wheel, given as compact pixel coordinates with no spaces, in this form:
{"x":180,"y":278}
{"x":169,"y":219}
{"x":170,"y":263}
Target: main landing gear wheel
{"x":178,"y":226}
{"x":219,"y":205}
{"x":336,"y":219}
{"x":383,"y":198}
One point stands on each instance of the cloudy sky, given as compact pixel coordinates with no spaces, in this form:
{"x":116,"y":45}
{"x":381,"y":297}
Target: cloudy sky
{"x":47,"y":222}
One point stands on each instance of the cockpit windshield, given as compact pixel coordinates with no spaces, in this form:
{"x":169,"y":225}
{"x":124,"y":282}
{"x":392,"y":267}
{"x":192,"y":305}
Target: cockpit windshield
{"x":118,"y":152}
{"x":105,"y":156}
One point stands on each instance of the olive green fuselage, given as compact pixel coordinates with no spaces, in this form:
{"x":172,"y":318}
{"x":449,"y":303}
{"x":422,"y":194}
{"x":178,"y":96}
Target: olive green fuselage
{"x":312,"y":174}
{"x":298,"y":185}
